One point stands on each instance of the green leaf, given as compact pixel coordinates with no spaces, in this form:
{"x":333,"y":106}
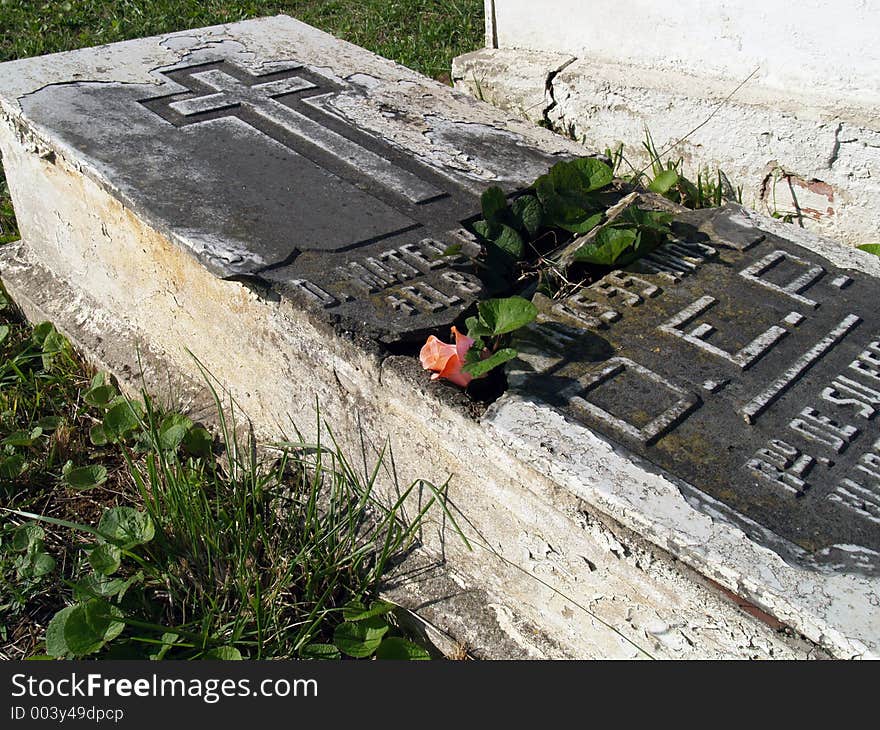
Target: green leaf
{"x":360,"y":639}
{"x":481,"y":367}
{"x":136,"y":578}
{"x":873,"y":248}
{"x":509,"y":241}
{"x":36,"y":562}
{"x":397,"y":648}
{"x":608,"y":246}
{"x":98,"y":436}
{"x":653,"y":220}
{"x":121,"y":419}
{"x":198,"y":442}
{"x":4,"y":332}
{"x":494,"y":205}
{"x":4,"y":302}
{"x":83,"y":628}
{"x":357,"y":611}
{"x":126,"y":527}
{"x":224,"y":653}
{"x":475,"y":328}
{"x":587,"y":224}
{"x":663,"y":181}
{"x":50,"y":423}
{"x":168,"y":640}
{"x":320,"y":651}
{"x":53,"y":344}
{"x":95,"y":585}
{"x":11,"y":466}
{"x":483,"y":229}
{"x":501,"y":316}
{"x":475,"y":352}
{"x":41,"y":564}
{"x":27,"y":535}
{"x":584,"y":175}
{"x":528,"y":213}
{"x":105,"y":558}
{"x":173,"y":431}
{"x":41,"y":331}
{"x":23,"y":438}
{"x":567,"y":193}
{"x":85,"y":477}
{"x":99,"y":396}
{"x":56,"y":644}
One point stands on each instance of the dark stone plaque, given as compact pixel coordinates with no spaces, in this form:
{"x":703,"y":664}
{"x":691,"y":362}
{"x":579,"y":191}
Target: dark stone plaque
{"x":265,"y":182}
{"x":737,"y":362}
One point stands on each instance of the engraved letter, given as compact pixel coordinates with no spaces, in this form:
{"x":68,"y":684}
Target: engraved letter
{"x":844,"y":391}
{"x":783,"y":465}
{"x":817,"y":428}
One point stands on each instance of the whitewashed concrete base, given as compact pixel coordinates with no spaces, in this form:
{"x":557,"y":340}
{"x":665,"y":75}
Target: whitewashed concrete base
{"x":790,"y":153}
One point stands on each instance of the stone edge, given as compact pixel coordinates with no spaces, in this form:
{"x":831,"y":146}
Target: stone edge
{"x":443,"y":607}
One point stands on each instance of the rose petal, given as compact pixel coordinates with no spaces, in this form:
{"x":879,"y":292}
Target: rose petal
{"x":435,"y":354}
{"x":453,"y":372}
{"x":463,"y":343}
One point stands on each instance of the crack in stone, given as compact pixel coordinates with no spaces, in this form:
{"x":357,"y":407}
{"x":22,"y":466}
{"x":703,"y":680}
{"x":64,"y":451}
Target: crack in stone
{"x":549,"y":90}
{"x":78,"y":82}
{"x":835,"y":147}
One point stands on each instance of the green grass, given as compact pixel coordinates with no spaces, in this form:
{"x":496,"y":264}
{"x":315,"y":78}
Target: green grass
{"x":43,"y":425}
{"x":422,"y":34}
{"x":8,"y":228}
{"x":238,"y":549}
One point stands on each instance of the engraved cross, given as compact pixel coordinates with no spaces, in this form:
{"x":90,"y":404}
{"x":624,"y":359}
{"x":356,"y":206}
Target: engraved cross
{"x":232,"y":95}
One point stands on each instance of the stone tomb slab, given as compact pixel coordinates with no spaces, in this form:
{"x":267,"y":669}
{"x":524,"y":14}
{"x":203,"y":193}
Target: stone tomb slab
{"x":279,"y":172}
{"x":749,"y":369}
{"x":743,"y":368}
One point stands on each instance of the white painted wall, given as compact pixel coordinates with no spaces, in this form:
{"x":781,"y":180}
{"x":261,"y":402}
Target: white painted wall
{"x":802,"y":137}
{"x":816,"y":46}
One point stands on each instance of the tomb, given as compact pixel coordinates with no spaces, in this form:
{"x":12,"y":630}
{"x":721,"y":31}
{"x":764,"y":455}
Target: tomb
{"x":688,"y":436}
{"x":784,"y":103}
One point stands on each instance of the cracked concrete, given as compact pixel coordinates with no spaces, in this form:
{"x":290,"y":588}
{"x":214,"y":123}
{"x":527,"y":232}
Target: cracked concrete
{"x":837,"y":611}
{"x":602,"y":103}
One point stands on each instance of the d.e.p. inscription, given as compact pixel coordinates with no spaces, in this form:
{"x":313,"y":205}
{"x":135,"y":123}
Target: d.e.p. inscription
{"x":739,"y":363}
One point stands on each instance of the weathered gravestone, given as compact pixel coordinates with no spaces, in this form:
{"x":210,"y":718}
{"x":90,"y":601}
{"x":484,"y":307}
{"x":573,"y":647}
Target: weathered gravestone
{"x":275,"y":202}
{"x":733,"y":380}
{"x":740,"y":363}
{"x":258,"y":169}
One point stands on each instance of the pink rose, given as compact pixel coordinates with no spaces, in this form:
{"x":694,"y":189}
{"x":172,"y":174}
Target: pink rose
{"x":447,"y":360}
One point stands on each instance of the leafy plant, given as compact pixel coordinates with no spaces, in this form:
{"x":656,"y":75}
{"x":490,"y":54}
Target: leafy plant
{"x":628,"y":237}
{"x":25,"y":563}
{"x":708,"y":191}
{"x":873,"y":248}
{"x":568,"y":194}
{"x":521,"y":239}
{"x":367,"y":632}
{"x":572,"y":199}
{"x":490,"y":328}
{"x":35,"y":382}
{"x":250,"y":557}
